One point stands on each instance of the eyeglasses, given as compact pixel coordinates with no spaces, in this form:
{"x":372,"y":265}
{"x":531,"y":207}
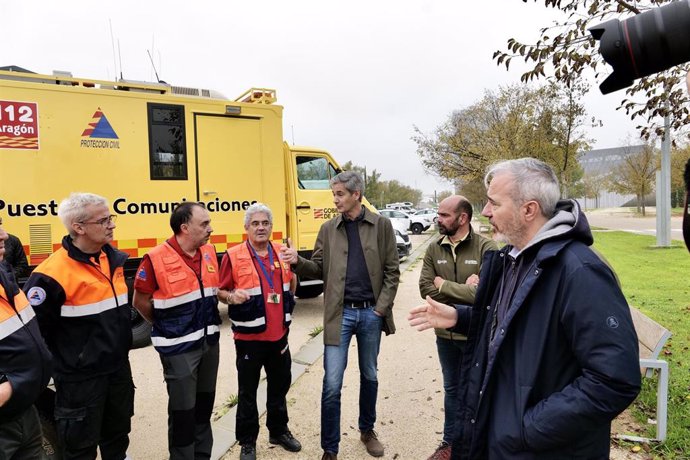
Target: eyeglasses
{"x":103,"y":222}
{"x":257,"y":224}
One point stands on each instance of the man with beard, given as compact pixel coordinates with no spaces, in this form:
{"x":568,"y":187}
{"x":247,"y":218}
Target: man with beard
{"x":175,"y":289}
{"x":450,"y":275}
{"x":552,"y":354}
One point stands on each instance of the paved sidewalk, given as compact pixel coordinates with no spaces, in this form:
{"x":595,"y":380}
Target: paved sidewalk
{"x":410,"y":414}
{"x":410,"y":401}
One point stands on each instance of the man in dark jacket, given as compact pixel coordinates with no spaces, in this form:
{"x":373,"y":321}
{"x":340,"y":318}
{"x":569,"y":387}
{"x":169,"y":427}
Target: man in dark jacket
{"x":449,"y":274}
{"x":16,"y":257}
{"x":552,"y":354}
{"x":80,"y":298}
{"x":25,"y":368}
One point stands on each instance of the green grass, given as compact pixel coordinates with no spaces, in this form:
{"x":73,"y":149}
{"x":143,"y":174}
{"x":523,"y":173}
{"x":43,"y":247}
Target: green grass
{"x":315,"y":331}
{"x":223,"y":408}
{"x":657,"y":281}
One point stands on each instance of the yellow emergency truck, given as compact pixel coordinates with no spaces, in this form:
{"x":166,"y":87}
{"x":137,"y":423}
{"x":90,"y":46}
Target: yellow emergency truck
{"x":147,"y":147}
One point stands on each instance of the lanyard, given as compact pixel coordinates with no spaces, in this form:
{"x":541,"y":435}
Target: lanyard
{"x":269,"y":278}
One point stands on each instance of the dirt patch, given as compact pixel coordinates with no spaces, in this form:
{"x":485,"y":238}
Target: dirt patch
{"x":625,"y":423}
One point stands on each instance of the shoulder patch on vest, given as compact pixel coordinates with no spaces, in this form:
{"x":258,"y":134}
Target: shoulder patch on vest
{"x":36,"y":296}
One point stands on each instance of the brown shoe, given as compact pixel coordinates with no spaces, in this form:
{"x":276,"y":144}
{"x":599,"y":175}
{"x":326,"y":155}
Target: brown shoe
{"x":329,"y":456}
{"x":372,"y":443}
{"x":442,"y":452}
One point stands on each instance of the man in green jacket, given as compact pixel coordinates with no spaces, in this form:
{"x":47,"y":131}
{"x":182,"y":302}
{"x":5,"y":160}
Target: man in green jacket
{"x":450,"y":275}
{"x":356,"y":257}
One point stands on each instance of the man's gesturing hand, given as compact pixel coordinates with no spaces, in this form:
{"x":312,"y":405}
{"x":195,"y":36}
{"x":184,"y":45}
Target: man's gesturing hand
{"x":432,"y":314}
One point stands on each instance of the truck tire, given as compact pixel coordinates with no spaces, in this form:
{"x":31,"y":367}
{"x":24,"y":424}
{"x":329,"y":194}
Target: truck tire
{"x":141,"y":330}
{"x":50,"y":445}
{"x":417,"y":228}
{"x":309,"y":292}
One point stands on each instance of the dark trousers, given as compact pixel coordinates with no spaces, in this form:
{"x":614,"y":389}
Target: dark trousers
{"x":191,"y":381}
{"x":20,"y":439}
{"x":450,"y":357}
{"x":275,"y":358}
{"x":95,"y":413}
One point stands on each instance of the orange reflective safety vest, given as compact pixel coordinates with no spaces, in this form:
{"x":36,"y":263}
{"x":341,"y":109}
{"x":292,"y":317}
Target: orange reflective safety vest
{"x":11,"y":320}
{"x":185,"y":308}
{"x":250,"y":316}
{"x":24,"y":358}
{"x":83,"y":310}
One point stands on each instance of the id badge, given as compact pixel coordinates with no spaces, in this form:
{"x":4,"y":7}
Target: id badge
{"x":273,"y":297}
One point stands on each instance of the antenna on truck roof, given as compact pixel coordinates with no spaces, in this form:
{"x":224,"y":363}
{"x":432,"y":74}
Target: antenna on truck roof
{"x":153,"y":65}
{"x":119,"y":55}
{"x":112,"y":42}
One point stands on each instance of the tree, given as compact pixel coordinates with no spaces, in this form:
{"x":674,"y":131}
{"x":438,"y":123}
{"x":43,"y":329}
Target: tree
{"x":635,"y":174}
{"x":679,"y":157}
{"x":397,"y":192}
{"x":513,"y":122}
{"x":593,"y":185}
{"x":443,"y":195}
{"x":380,"y":192}
{"x":568,"y":135}
{"x":566,"y":51}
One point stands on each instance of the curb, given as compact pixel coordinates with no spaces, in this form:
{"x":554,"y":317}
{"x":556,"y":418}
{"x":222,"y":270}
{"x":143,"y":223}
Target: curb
{"x":224,"y":428}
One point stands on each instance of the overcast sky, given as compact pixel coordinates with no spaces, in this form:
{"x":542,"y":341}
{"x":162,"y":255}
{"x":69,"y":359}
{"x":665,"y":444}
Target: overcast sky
{"x":354,"y":76}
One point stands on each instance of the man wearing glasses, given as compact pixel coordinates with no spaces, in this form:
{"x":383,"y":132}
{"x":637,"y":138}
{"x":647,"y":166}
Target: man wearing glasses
{"x":80,"y":299}
{"x":175,"y":290}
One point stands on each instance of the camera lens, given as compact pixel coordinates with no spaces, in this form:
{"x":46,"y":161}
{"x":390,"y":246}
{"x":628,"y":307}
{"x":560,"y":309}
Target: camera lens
{"x":644,"y":44}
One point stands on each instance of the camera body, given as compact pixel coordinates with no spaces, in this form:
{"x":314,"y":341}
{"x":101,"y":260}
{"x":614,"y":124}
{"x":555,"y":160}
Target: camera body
{"x":644,"y":44}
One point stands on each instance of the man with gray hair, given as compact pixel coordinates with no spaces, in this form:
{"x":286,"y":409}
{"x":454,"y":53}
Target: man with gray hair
{"x":552,"y":354}
{"x":259,"y":291}
{"x":80,"y":299}
{"x":175,"y":290}
{"x":355,"y":254}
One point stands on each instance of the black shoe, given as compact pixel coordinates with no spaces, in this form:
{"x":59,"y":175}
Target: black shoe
{"x":287,"y":440}
{"x":248,"y":452}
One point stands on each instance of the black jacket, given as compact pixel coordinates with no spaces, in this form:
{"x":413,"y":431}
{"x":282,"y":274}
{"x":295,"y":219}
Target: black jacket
{"x":16,"y":257}
{"x":563,"y":363}
{"x":24,"y":357}
{"x":83,"y":346}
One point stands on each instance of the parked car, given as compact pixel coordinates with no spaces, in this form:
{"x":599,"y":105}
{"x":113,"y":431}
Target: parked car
{"x":429,"y":214}
{"x":404,"y":244}
{"x":418,"y":224}
{"x":399,"y":219}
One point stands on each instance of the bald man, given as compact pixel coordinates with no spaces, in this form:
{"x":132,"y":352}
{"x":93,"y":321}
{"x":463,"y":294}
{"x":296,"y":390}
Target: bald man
{"x":450,"y":275}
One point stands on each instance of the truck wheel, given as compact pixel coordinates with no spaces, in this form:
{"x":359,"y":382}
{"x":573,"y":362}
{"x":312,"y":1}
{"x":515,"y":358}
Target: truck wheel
{"x":417,"y":228}
{"x":50,"y":445}
{"x":309,"y":291}
{"x":141,"y":330}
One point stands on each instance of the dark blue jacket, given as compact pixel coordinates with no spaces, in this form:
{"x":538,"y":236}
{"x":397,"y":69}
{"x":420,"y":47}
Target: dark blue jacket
{"x":563,"y":363}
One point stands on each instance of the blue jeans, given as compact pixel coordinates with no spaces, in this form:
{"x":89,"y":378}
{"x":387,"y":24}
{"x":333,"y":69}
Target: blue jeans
{"x":366,"y":326}
{"x":450,"y":356}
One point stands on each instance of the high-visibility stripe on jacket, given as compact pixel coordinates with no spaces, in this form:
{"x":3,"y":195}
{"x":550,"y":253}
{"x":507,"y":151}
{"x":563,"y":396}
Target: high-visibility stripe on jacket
{"x":250,"y":316}
{"x":185,"y":307}
{"x":11,"y":321}
{"x":24,"y":357}
{"x":82,"y":309}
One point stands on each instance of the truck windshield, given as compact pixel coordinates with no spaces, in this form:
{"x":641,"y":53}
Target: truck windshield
{"x":314,"y":173}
